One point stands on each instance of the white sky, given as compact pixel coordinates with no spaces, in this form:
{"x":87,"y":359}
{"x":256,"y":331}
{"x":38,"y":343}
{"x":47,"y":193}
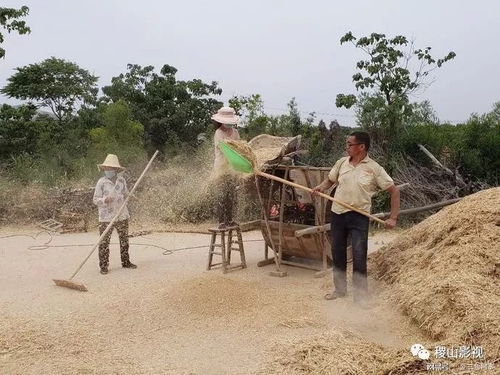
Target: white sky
{"x":278,"y":49}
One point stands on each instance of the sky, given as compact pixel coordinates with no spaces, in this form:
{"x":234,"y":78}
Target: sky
{"x":277,"y":48}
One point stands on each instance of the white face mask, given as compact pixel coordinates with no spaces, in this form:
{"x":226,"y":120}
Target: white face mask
{"x":110,"y":174}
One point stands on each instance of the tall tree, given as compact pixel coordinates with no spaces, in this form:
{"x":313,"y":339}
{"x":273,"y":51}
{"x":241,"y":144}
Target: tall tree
{"x":119,"y":134}
{"x":388,"y":77}
{"x":172,"y":111}
{"x":294,"y":116}
{"x":251,"y":108}
{"x":9,"y":20}
{"x":54,"y":83}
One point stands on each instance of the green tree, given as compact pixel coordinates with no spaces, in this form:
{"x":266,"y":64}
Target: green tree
{"x":422,"y":113}
{"x":250,"y":107}
{"x":18,"y":132}
{"x":479,"y":147}
{"x":173,"y":112}
{"x":9,"y":20}
{"x":387,"y":77}
{"x":120,"y":134}
{"x":251,"y":110}
{"x":55,"y":84}
{"x":294,"y":117}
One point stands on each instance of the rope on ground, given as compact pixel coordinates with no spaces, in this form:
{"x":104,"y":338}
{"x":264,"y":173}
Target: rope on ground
{"x":200,"y":247}
{"x":34,"y":237}
{"x":46,"y":245}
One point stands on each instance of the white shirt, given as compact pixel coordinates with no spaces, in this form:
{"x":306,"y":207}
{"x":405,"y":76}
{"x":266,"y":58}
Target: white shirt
{"x":118,"y":191}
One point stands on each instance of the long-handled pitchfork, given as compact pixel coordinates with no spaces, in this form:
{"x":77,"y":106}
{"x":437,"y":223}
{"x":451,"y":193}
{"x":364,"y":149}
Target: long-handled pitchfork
{"x":247,"y":164}
{"x":69,"y":283}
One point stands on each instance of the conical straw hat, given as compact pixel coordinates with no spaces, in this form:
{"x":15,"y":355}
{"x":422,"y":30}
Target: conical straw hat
{"x":111,"y":161}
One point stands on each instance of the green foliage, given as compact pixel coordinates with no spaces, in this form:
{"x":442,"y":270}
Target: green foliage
{"x":479,"y":147}
{"x":249,"y":107}
{"x":385,"y":81}
{"x":325,"y":145}
{"x":294,"y":117}
{"x":251,"y":111}
{"x":173,"y":112}
{"x":54,"y":83}
{"x":119,"y":135}
{"x":9,"y":20}
{"x":473,"y":147}
{"x":18,"y":131}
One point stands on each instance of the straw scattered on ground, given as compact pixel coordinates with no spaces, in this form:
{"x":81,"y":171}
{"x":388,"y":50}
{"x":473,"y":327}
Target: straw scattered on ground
{"x":443,"y":272}
{"x":301,"y":322}
{"x":337,"y":352}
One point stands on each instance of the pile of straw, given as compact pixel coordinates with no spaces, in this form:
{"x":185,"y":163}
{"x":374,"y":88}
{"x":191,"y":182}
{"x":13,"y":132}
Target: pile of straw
{"x":264,"y":148}
{"x":442,"y":272}
{"x":338,"y":353}
{"x":270,"y":149}
{"x":242,"y":148}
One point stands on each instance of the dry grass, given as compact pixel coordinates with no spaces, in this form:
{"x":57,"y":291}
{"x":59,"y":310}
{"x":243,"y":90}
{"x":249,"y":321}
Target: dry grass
{"x":27,"y":343}
{"x":340,"y":352}
{"x":260,"y":151}
{"x":216,"y":296}
{"x":441,"y":273}
{"x":343,"y":352}
{"x":301,"y":322}
{"x":244,"y":149}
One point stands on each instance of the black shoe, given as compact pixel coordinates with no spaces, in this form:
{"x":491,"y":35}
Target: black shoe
{"x":104,"y":271}
{"x":129,"y":265}
{"x":334,"y":295}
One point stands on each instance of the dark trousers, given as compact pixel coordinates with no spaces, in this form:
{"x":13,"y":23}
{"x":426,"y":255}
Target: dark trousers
{"x":122,"y":229}
{"x":356,"y":225}
{"x":226,"y":199}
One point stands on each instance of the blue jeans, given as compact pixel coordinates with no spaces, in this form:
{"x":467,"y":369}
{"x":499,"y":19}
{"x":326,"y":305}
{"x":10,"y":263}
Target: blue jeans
{"x":356,"y":225}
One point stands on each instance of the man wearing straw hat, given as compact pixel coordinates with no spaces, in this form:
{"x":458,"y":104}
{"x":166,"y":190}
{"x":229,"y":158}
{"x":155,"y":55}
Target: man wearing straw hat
{"x":225,"y":121}
{"x":358,"y":178}
{"x":109,"y":195}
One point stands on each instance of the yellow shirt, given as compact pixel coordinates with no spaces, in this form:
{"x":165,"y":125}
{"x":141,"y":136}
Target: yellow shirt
{"x":357,"y":185}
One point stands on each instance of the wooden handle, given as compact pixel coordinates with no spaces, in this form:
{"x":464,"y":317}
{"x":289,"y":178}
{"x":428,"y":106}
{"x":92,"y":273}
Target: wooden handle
{"x":122,"y":207}
{"x":326,"y":196}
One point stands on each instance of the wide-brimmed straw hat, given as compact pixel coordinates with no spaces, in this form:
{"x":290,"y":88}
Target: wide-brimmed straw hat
{"x":226,"y":115}
{"x":111,"y":161}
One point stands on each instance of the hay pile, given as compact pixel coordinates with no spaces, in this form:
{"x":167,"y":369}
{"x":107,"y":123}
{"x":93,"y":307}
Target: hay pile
{"x":270,"y":149}
{"x":265,"y":148}
{"x":442,"y":272}
{"x":339,"y":353}
{"x":244,"y":149}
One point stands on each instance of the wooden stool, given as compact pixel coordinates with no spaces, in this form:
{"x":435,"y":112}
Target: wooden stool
{"x":226,"y":248}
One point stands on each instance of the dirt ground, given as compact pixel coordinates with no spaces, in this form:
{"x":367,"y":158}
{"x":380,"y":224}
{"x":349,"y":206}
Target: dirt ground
{"x":169,"y":316}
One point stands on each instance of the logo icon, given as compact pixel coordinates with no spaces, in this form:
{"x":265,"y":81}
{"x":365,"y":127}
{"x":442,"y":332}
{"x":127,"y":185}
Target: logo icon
{"x":418,"y":350}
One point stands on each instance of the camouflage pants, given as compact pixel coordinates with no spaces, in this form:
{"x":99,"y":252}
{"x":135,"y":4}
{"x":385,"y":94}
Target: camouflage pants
{"x":122,"y":229}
